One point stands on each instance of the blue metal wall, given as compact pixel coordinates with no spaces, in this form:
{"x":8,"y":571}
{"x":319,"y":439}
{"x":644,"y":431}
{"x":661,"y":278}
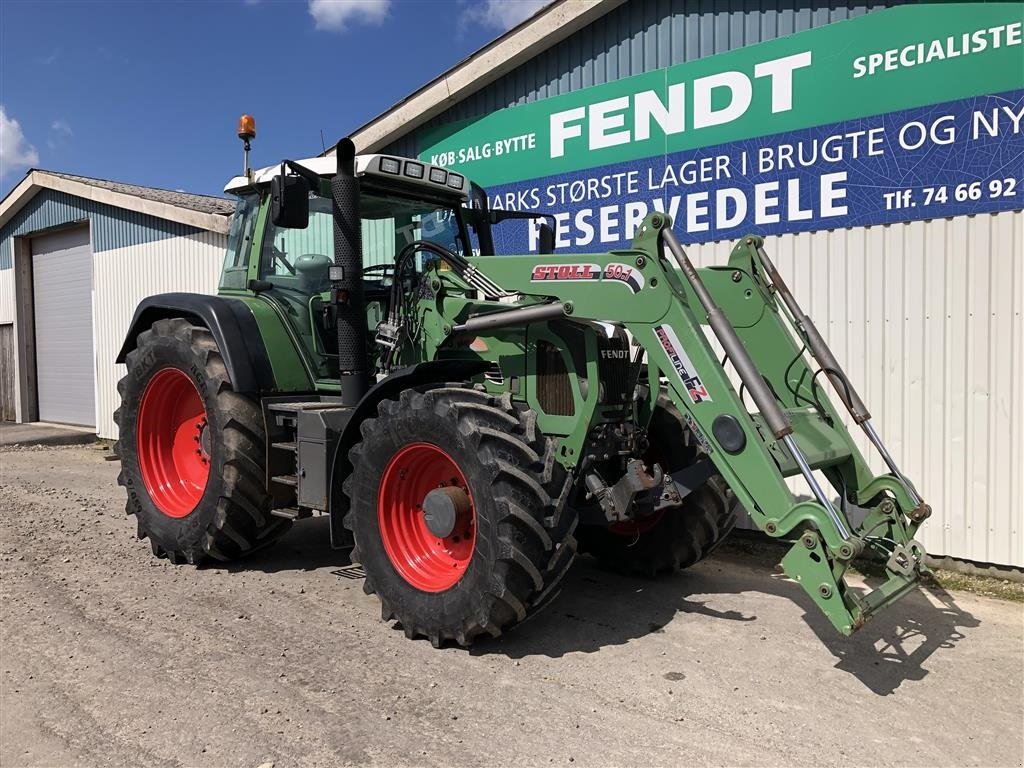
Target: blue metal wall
{"x":112,"y":227}
{"x":641,"y":36}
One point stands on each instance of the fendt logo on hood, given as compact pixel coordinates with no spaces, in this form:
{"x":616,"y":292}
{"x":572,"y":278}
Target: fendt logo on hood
{"x":681,"y":363}
{"x":624,"y":274}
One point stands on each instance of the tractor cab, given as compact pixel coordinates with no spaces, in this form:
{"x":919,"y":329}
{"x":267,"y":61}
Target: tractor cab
{"x":281,"y":241}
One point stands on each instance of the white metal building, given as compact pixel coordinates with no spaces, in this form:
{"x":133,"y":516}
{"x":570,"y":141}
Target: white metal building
{"x":76,"y":256}
{"x":924,"y":311}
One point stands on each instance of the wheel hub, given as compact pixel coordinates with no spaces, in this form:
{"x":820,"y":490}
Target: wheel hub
{"x":204,"y":441}
{"x":442,"y":508}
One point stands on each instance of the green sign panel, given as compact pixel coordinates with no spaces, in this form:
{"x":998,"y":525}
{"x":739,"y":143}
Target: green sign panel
{"x":883,"y":62}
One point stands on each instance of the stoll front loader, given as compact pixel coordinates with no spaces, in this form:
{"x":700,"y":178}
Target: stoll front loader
{"x":466,"y":419}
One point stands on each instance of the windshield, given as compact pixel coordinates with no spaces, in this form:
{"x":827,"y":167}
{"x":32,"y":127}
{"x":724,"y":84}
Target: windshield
{"x":300,"y":258}
{"x":236,"y":260}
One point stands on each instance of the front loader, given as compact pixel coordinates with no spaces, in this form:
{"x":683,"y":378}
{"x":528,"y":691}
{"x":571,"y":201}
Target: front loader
{"x":469,"y":421}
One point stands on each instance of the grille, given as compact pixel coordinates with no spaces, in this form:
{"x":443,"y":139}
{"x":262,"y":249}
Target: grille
{"x":554,"y":391}
{"x":494,"y":375}
{"x":613,"y":368}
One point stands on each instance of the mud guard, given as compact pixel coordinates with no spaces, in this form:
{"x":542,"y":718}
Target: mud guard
{"x":233,"y":327}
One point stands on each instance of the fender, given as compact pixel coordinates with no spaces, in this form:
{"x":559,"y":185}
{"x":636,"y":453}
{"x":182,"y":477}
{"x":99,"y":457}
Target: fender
{"x":429,"y":372}
{"x":229,"y":320}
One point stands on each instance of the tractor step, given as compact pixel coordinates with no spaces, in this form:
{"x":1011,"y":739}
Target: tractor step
{"x":284,"y":446}
{"x":291,"y":513}
{"x":300,"y":405}
{"x":291,"y":480}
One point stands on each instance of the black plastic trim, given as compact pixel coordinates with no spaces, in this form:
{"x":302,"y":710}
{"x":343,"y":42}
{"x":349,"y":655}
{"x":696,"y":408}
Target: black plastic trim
{"x":729,"y":433}
{"x":232,"y":324}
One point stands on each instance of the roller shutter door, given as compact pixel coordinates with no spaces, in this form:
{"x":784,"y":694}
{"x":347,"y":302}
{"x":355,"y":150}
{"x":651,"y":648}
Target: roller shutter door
{"x":65,"y":362}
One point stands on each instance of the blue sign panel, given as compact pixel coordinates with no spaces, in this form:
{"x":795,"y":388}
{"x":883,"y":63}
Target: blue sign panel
{"x":958,"y":158}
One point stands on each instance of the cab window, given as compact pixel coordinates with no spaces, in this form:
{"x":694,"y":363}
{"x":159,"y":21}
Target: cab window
{"x":300,"y":258}
{"x":236,"y":260}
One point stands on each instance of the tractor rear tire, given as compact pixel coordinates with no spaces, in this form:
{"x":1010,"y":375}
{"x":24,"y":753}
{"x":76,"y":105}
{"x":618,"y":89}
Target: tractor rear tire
{"x":509,"y":539}
{"x":676,"y":538}
{"x":192,"y":449}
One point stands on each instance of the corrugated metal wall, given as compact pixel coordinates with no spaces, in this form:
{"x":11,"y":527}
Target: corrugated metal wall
{"x":134,"y":256}
{"x":642,"y":36}
{"x":926,"y":317}
{"x":378,"y":240}
{"x":6,"y":295}
{"x":122,"y":278}
{"x":9,"y":376}
{"x":112,"y":227}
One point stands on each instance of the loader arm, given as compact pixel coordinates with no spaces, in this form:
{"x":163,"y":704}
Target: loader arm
{"x":793,"y":428}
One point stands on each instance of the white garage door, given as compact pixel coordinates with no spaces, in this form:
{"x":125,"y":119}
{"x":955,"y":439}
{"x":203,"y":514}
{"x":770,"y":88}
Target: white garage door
{"x":65,"y":363}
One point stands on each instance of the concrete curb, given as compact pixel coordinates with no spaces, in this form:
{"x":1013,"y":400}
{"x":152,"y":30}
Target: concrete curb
{"x":12,"y":434}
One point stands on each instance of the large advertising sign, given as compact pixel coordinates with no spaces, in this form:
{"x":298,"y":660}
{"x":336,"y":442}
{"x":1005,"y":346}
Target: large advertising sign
{"x":909,"y":113}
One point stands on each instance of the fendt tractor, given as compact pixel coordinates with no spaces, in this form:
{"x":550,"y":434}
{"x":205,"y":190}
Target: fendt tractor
{"x":469,"y":421}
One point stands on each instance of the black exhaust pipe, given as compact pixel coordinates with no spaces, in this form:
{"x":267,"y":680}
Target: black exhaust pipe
{"x":347,"y":277}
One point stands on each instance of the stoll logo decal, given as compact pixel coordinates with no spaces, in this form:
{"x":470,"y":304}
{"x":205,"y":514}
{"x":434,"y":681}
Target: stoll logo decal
{"x":623,"y":274}
{"x":907,"y":113}
{"x":549,"y":272}
{"x":686,"y":369}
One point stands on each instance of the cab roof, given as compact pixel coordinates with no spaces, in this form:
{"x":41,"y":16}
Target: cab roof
{"x":396,"y":170}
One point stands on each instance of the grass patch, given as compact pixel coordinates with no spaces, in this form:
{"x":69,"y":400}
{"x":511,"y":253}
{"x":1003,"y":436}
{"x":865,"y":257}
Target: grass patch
{"x":757,"y":551}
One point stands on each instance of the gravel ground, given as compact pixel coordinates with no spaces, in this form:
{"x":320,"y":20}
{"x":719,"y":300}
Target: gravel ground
{"x":111,"y":657}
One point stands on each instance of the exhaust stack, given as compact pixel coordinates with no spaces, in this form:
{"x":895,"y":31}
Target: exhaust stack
{"x":347,"y":277}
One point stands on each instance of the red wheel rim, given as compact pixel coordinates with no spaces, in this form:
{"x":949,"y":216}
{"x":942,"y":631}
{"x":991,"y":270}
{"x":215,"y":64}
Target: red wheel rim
{"x":173,"y":442}
{"x":429,"y":563}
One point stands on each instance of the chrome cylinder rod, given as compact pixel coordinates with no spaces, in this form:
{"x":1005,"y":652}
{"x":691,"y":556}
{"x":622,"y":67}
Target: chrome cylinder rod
{"x":816,"y":489}
{"x":873,"y":436}
{"x":816,"y":344}
{"x":775,"y":418}
{"x":840,"y":381}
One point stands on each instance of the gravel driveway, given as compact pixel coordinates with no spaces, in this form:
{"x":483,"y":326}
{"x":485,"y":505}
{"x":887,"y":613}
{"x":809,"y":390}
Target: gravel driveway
{"x":111,"y":657}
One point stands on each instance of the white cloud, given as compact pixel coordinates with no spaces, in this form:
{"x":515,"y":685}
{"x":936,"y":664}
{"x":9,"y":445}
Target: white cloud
{"x":501,"y":14}
{"x":15,"y":151}
{"x":337,"y":15}
{"x":62,"y":126}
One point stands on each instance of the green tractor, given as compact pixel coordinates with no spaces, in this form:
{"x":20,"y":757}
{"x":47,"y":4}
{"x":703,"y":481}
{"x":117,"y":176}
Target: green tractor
{"x":469,"y":421}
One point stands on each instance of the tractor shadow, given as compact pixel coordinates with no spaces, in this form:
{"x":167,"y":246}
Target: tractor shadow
{"x":597,"y":609}
{"x":305,"y":548}
{"x":892,"y":647}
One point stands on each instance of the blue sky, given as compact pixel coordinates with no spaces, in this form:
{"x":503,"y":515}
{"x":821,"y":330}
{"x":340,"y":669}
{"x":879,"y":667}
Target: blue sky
{"x":150,"y":92}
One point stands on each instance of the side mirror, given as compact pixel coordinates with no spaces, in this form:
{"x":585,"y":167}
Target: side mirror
{"x":545,"y":238}
{"x":289,"y":201}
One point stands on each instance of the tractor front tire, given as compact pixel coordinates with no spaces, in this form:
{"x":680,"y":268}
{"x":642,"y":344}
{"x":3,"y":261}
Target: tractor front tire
{"x":506,"y":538}
{"x":192,"y":449}
{"x":675,"y":539}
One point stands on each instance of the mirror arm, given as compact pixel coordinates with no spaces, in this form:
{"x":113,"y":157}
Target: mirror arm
{"x":299,"y":170}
